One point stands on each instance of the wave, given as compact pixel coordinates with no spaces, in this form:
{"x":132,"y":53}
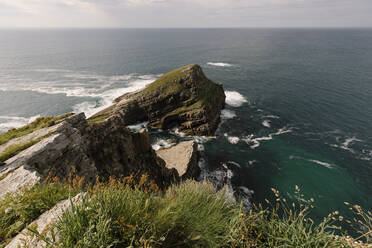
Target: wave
{"x":234,"y":98}
{"x":219,"y":64}
{"x":107,"y":97}
{"x":255,"y":142}
{"x":266,"y":123}
{"x":232,"y":139}
{"x":138,"y":126}
{"x":321,"y":163}
{"x":348,"y":141}
{"x":227,"y":114}
{"x":327,"y":165}
{"x":271,"y":117}
{"x":9,"y":122}
{"x":162,"y":143}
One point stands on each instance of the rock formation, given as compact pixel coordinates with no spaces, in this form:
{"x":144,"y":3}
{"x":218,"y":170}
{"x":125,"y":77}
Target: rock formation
{"x":183,"y":97}
{"x":104,"y":149}
{"x":183,"y":157}
{"x":103,"y":146}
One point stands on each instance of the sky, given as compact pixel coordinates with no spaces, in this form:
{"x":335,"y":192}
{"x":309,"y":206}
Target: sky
{"x":184,"y":13}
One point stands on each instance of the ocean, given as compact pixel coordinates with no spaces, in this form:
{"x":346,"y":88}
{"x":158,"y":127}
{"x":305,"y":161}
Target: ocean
{"x":299,"y":101}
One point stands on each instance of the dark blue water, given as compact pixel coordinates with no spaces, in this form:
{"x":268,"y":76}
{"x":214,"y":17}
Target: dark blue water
{"x":300,"y":101}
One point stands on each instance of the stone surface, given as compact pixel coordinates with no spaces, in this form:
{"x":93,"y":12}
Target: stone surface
{"x":183,"y":97}
{"x":183,"y":157}
{"x":43,"y":225}
{"x":103,"y":149}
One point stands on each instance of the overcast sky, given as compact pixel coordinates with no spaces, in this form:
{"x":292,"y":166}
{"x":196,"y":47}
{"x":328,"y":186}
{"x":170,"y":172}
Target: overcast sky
{"x":185,"y":13}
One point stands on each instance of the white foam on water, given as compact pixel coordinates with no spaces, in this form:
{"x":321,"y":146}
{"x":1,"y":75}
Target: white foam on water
{"x":251,"y":162}
{"x":138,"y":126}
{"x":349,"y":141}
{"x":9,"y":122}
{"x":232,"y":139}
{"x":324,"y":164}
{"x":161,"y":143}
{"x":219,"y":64}
{"x":234,"y":163}
{"x":178,"y":133}
{"x":234,"y":98}
{"x":321,"y":163}
{"x":266,"y":123}
{"x":227,"y":114}
{"x":271,"y":117}
{"x":255,"y":142}
{"x":107,"y":97}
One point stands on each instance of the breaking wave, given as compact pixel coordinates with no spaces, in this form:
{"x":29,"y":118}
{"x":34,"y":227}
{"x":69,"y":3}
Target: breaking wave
{"x":162,"y":143}
{"x":321,"y":163}
{"x":219,"y":64}
{"x":255,"y":142}
{"x":227,"y":114}
{"x":234,"y":98}
{"x":9,"y":122}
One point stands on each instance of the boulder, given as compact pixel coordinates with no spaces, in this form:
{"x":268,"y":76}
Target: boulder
{"x":183,"y":97}
{"x":183,"y":157}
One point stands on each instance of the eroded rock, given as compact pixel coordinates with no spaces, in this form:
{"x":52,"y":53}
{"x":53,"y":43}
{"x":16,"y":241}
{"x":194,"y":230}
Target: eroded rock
{"x":183,"y":157}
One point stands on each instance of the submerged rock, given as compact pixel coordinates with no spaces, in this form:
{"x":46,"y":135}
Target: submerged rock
{"x":183,"y":157}
{"x":183,"y":97}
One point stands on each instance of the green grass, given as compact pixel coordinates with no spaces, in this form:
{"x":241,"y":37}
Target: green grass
{"x":167,"y":83}
{"x":97,"y":120}
{"x":189,"y":215}
{"x":19,"y":210}
{"x":17,"y":148}
{"x":39,"y":123}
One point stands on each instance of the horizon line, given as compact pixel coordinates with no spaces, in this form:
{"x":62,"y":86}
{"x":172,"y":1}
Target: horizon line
{"x":268,"y":27}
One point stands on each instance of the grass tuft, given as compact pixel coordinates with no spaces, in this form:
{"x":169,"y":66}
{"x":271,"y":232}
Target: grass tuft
{"x":19,"y":210}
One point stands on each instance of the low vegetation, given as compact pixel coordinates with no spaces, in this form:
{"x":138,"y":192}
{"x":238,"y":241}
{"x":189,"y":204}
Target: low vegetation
{"x":97,"y":119}
{"x":17,"y":148}
{"x":167,"y":83}
{"x":39,"y":123}
{"x":19,"y":210}
{"x":122,"y":214}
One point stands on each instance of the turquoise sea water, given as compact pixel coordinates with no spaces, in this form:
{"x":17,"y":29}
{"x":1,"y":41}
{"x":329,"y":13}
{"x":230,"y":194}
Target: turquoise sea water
{"x":299,"y":100}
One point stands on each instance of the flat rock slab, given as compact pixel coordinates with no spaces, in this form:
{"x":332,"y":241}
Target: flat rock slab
{"x":17,"y":180}
{"x":183,"y":157}
{"x":43,"y":225}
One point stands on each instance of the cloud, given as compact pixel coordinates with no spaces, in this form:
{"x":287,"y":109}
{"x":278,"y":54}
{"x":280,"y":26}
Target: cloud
{"x":184,"y":13}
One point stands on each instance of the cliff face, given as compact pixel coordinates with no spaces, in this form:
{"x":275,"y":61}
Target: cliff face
{"x":183,"y":97}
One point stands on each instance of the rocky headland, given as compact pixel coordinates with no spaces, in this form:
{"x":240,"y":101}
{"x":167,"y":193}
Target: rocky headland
{"x":103,"y":145}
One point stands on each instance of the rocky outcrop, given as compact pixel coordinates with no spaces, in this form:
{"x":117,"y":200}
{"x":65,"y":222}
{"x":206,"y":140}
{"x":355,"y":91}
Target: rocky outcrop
{"x":183,"y":97}
{"x":103,"y":149}
{"x":103,"y":145}
{"x":183,"y":157}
